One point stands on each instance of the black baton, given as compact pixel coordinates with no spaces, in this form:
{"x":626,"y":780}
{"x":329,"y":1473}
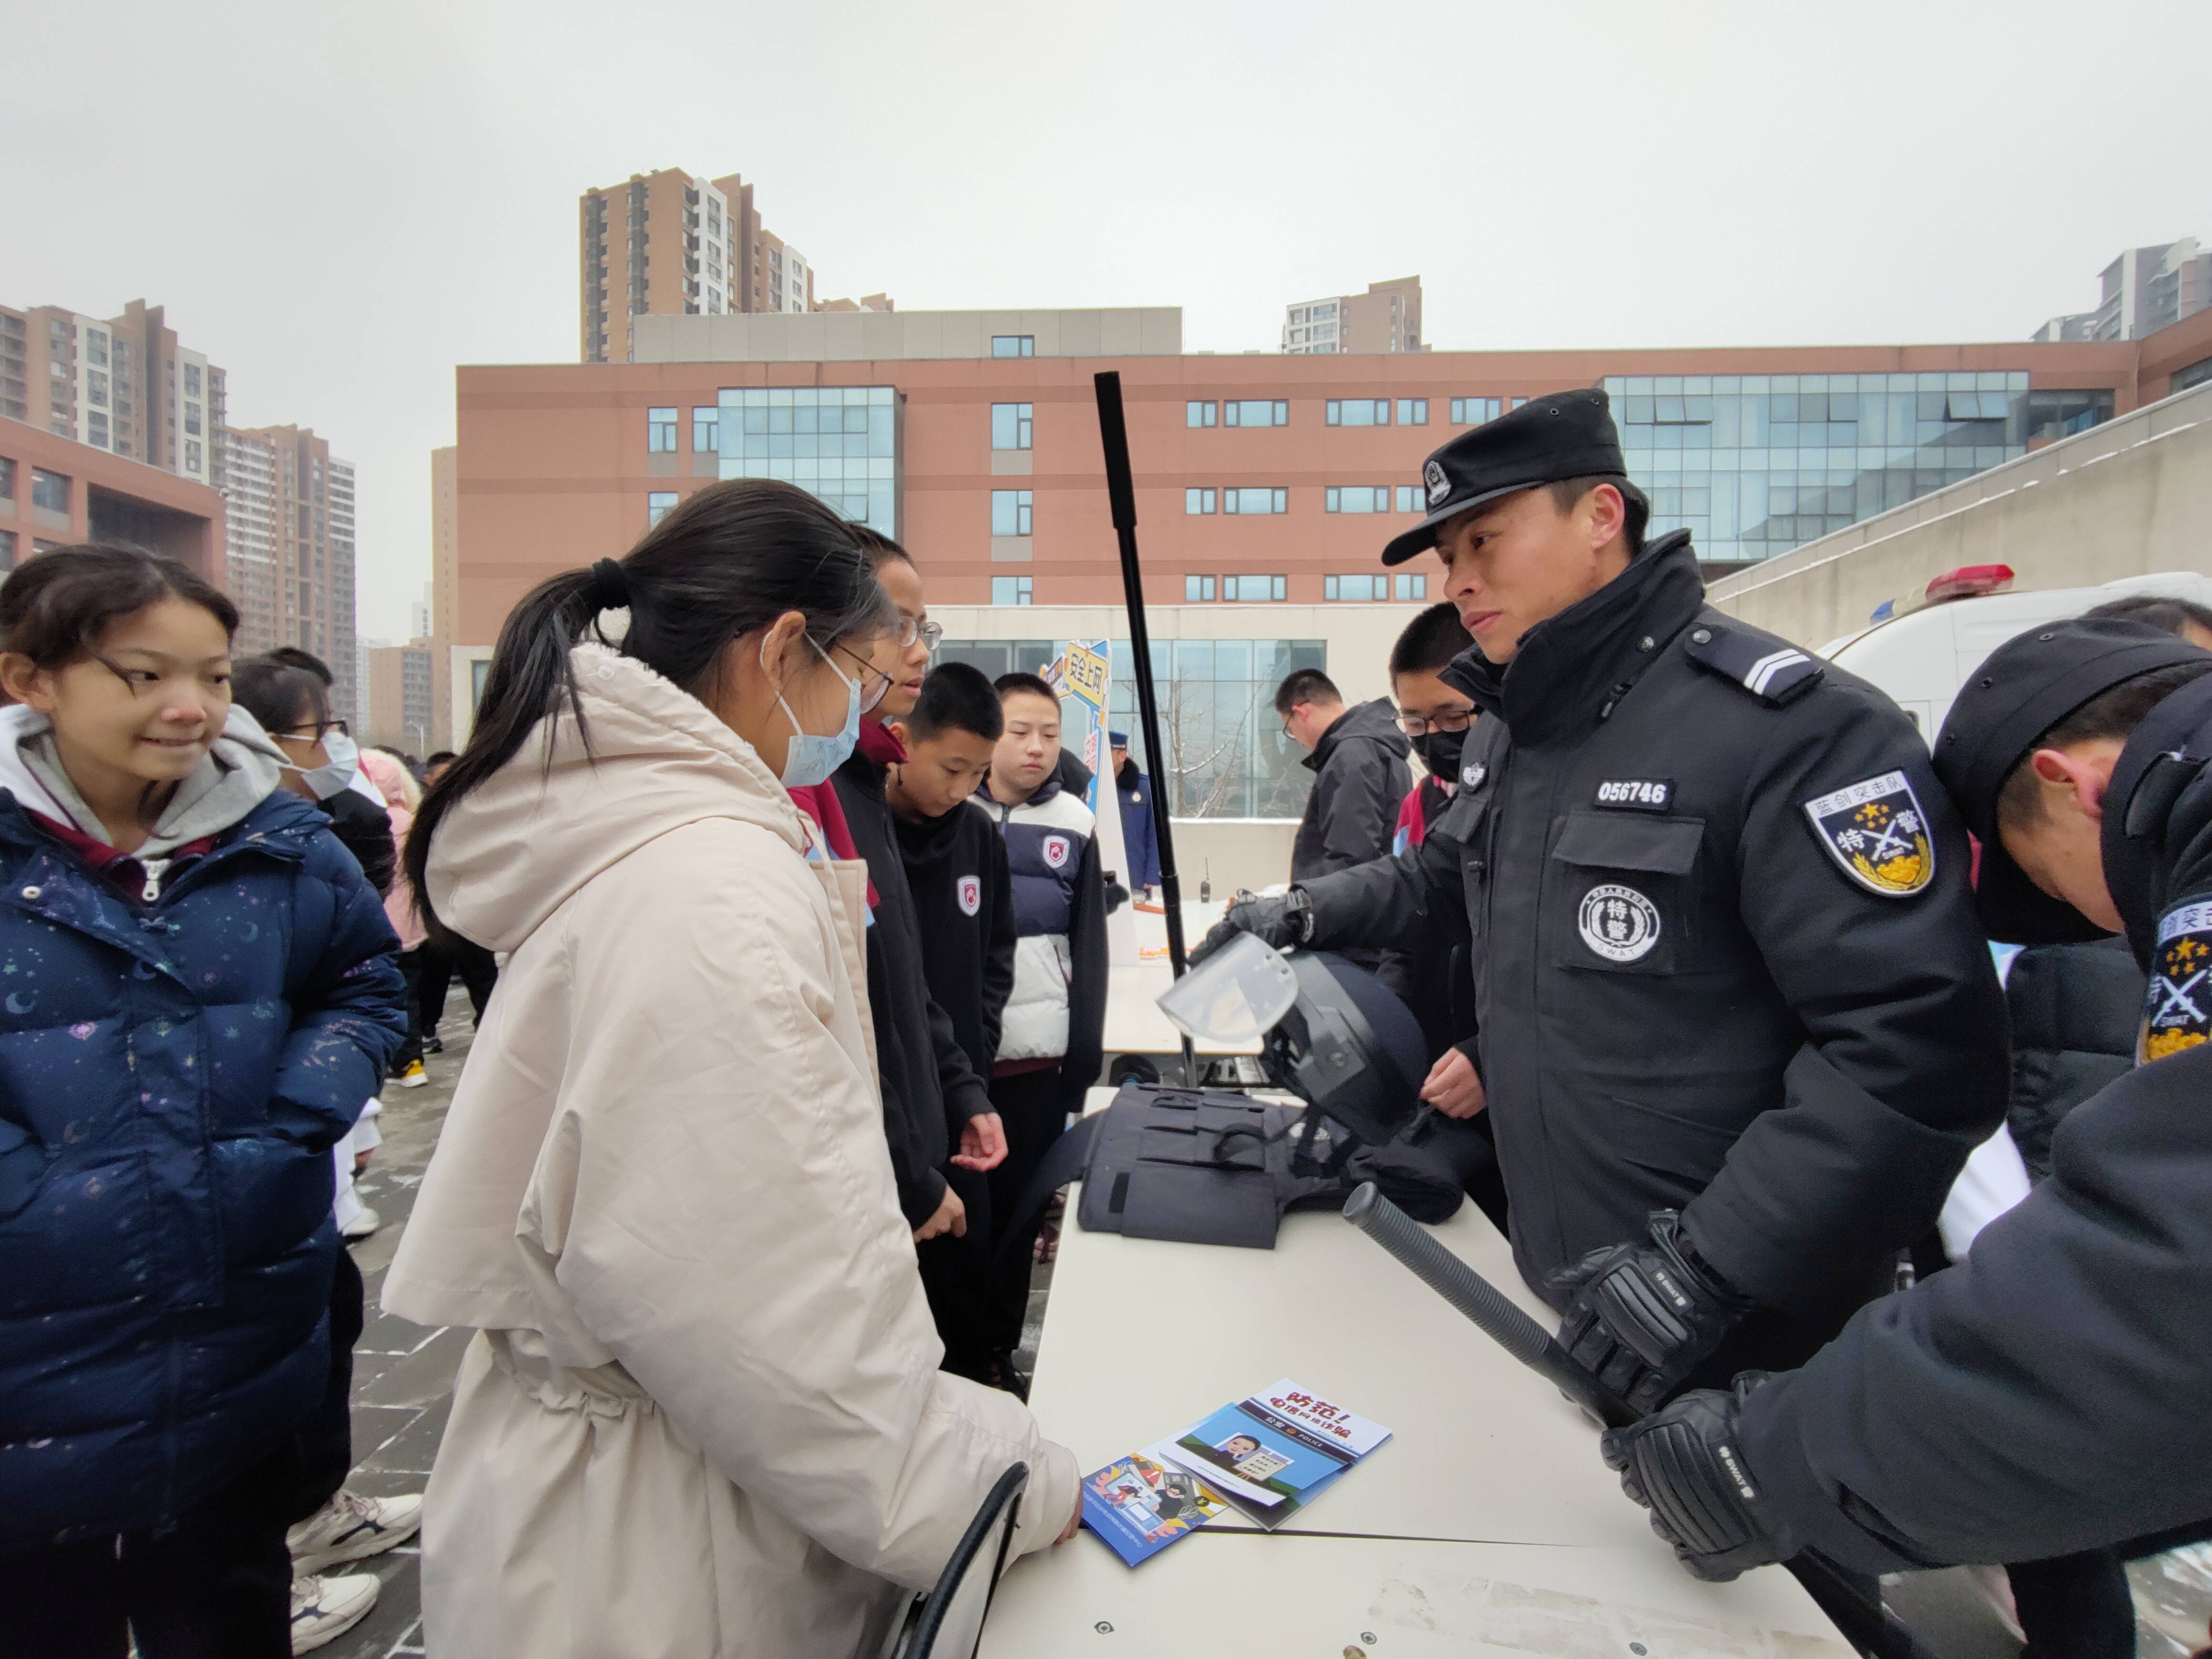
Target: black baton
{"x":1481,"y":1301}
{"x":1868,"y":1624}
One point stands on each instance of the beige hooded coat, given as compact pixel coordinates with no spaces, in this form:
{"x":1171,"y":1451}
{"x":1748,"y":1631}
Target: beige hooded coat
{"x":704,"y":1415}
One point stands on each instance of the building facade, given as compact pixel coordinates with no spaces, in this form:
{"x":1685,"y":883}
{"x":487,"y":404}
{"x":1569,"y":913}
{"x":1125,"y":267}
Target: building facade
{"x":1386,"y":317}
{"x":55,"y":491}
{"x":126,"y":384}
{"x":291,"y":563}
{"x":2144,"y":290}
{"x":397,"y":710}
{"x":1265,"y":485}
{"x":671,"y":243}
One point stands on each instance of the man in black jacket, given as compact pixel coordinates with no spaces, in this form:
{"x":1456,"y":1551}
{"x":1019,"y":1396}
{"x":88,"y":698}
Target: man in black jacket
{"x":2047,"y":1395}
{"x":1736,"y":1028}
{"x":956,"y":869}
{"x":1357,"y":757}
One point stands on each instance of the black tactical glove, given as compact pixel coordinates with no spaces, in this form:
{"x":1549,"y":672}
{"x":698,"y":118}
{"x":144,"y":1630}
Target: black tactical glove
{"x":1281,"y":922}
{"x":1685,"y":1463}
{"x":1646,"y":1315}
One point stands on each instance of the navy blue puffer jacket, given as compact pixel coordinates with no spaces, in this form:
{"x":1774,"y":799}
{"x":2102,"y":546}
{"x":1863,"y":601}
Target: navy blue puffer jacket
{"x":172,"y":1078}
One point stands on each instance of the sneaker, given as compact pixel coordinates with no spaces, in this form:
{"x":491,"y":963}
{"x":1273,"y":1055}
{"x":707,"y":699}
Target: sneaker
{"x":434,"y":1045}
{"x":366,"y":1222}
{"x":351,"y":1525}
{"x":324,"y":1609}
{"x":414,"y":1077}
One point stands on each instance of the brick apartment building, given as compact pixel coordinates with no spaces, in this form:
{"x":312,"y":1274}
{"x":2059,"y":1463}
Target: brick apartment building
{"x":671,"y":242}
{"x":55,"y":491}
{"x":290,"y":560}
{"x":124,"y":385}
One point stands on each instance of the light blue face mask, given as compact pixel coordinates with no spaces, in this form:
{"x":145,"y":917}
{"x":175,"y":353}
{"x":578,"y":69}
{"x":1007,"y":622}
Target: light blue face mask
{"x":811,"y":759}
{"x":334,"y":775}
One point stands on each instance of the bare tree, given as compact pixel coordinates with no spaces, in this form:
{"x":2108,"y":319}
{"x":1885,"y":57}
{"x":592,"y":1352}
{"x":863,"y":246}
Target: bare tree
{"x":1192,"y":728}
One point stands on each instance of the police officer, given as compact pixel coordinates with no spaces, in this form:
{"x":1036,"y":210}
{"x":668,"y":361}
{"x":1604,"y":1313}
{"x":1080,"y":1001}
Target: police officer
{"x":1736,"y":1029}
{"x":2049,"y":1394}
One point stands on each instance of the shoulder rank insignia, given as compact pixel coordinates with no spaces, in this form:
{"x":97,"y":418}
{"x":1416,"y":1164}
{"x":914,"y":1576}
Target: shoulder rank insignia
{"x":1773,"y":671}
{"x":2177,"y":1001}
{"x":1877,"y":832}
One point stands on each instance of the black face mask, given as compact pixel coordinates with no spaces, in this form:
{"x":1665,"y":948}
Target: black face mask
{"x":1440,"y":752}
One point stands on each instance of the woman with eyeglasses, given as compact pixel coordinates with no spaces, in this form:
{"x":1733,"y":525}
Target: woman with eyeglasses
{"x":196,"y":994}
{"x":702,"y":1412}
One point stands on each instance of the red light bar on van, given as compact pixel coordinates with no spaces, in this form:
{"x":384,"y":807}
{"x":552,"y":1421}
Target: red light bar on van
{"x":1968,"y":581}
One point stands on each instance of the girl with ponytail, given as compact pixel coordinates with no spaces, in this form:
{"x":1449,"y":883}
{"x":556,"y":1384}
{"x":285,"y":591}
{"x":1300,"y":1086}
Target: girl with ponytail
{"x":702,"y":1412}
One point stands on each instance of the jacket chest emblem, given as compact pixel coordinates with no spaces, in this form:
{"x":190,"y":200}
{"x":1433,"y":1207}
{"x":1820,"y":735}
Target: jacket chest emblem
{"x":1056,"y":849}
{"x":1472,"y":774}
{"x":1877,"y":835}
{"x":970,"y":891}
{"x":1618,"y":923}
{"x":2177,"y":1002}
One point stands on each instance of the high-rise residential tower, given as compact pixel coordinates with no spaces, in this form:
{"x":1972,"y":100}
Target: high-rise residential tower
{"x":1386,"y":317}
{"x":122,"y":384}
{"x":672,"y":242}
{"x":2144,"y":290}
{"x":291,"y":548}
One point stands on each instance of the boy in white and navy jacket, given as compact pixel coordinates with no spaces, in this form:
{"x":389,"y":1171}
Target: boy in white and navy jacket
{"x":1050,"y":1043}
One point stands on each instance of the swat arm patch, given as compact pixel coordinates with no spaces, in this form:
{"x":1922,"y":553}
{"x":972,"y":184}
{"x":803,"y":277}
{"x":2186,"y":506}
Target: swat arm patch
{"x":1877,"y":835}
{"x":2177,"y":1001}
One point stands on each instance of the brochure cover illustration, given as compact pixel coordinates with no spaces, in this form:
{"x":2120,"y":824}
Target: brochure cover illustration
{"x":1275,"y":1452}
{"x":1141,"y":1503}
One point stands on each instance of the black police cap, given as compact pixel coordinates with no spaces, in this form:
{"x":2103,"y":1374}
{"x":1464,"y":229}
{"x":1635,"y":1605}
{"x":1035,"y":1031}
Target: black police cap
{"x":1569,"y":434}
{"x":2026,"y":686}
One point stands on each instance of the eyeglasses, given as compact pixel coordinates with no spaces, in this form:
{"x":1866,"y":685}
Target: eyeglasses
{"x":1414,"y":726}
{"x":910,"y":630}
{"x":875,"y":685}
{"x":316,"y":732}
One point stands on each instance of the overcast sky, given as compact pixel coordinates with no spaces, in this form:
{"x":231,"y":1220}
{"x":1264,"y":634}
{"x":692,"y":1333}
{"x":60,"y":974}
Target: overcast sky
{"x":340,"y":203}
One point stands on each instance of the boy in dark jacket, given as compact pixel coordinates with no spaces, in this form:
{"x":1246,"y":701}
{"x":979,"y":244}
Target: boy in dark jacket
{"x":956,"y":870}
{"x":955,"y":863}
{"x":1053,"y":1035}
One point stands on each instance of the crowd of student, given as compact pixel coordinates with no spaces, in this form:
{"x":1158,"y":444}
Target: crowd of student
{"x":800,"y":941}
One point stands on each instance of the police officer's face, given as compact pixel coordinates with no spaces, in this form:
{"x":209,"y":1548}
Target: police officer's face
{"x":2060,"y":848}
{"x":1513,"y":562}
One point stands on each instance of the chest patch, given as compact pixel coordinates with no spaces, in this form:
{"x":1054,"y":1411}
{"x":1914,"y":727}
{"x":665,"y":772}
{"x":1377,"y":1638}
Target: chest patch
{"x":1877,"y":835}
{"x":2177,"y":1002}
{"x":1472,"y":774}
{"x":1618,"y":923}
{"x":1635,"y":794}
{"x":1056,"y":849}
{"x":970,"y":891}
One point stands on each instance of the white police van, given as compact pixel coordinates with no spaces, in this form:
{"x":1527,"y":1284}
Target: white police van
{"x":1920,"y":649}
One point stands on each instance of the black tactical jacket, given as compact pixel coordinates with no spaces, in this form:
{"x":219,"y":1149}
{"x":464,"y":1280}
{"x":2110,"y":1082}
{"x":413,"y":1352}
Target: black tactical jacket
{"x":1714,"y":969}
{"x":1361,"y":777}
{"x":2053,"y":1392}
{"x":2075,"y":1009}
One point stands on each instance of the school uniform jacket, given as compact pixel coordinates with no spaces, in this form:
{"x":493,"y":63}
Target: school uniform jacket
{"x":1057,"y":1010}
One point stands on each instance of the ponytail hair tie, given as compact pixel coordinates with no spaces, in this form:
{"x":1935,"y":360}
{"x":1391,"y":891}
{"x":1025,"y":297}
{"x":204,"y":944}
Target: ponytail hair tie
{"x":610,"y":587}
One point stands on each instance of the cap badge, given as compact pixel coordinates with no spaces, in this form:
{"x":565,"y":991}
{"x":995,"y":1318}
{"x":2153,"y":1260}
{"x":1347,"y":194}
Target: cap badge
{"x":1876,"y":832}
{"x":1439,"y":486}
